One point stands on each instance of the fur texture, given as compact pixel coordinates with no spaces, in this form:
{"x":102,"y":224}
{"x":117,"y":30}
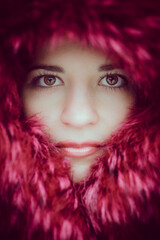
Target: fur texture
{"x":120,"y":198}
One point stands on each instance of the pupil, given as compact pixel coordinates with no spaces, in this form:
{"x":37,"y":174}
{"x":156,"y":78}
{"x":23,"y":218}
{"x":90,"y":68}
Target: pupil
{"x":49,"y":80}
{"x":112,"y":80}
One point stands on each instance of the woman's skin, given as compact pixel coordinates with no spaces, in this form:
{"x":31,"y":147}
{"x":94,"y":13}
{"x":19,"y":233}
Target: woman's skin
{"x":85,"y":99}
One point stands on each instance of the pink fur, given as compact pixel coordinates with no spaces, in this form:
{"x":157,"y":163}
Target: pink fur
{"x":120,"y":199}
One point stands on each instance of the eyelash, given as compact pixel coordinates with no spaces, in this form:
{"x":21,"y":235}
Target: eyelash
{"x":125,"y":79}
{"x":37,"y":78}
{"x":124,"y":85}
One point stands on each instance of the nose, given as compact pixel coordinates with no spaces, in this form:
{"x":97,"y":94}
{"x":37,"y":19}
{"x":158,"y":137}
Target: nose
{"x":79,"y":110}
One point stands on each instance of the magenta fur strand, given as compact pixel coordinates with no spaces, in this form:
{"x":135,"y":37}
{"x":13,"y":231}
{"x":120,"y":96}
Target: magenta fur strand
{"x":120,"y":198}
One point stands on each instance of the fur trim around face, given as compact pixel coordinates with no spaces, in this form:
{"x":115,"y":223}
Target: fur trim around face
{"x":120,"y":198}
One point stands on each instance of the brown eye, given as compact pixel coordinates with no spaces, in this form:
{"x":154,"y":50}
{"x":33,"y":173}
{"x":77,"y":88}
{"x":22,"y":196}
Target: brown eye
{"x":49,"y":80}
{"x":112,"y":80}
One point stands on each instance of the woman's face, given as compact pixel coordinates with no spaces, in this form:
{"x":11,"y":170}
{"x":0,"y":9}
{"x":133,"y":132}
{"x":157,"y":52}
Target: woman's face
{"x":80,"y":97}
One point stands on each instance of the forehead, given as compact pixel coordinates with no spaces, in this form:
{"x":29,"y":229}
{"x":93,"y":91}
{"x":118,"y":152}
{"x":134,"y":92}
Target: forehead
{"x":50,"y":51}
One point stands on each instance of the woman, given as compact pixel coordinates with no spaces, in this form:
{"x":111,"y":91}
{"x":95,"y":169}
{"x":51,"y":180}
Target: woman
{"x":80,"y":120}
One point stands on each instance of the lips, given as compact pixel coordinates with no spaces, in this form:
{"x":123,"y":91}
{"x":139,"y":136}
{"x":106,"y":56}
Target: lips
{"x":74,"y":149}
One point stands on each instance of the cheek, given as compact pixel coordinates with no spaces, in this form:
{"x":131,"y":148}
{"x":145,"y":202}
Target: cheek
{"x":46,"y":108}
{"x":115,"y":106}
{"x":41,"y":103}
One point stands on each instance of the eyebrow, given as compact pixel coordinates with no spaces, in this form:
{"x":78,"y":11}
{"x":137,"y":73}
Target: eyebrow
{"x":55,"y":68}
{"x":52,"y":68}
{"x":107,"y":67}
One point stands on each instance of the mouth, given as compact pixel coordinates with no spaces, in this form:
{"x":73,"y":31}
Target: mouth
{"x":73,"y":149}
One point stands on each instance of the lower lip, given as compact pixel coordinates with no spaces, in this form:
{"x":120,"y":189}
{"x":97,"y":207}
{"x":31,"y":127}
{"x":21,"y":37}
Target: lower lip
{"x":79,"y":152}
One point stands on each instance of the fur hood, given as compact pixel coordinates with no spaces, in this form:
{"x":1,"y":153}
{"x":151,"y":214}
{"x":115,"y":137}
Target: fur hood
{"x":120,"y":198}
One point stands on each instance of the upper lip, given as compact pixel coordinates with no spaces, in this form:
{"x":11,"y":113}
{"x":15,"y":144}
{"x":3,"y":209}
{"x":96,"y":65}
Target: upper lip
{"x":72,"y":144}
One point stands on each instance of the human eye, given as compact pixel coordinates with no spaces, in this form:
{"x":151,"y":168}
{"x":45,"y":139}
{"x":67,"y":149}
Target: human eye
{"x":46,"y":81}
{"x":113,"y":80}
